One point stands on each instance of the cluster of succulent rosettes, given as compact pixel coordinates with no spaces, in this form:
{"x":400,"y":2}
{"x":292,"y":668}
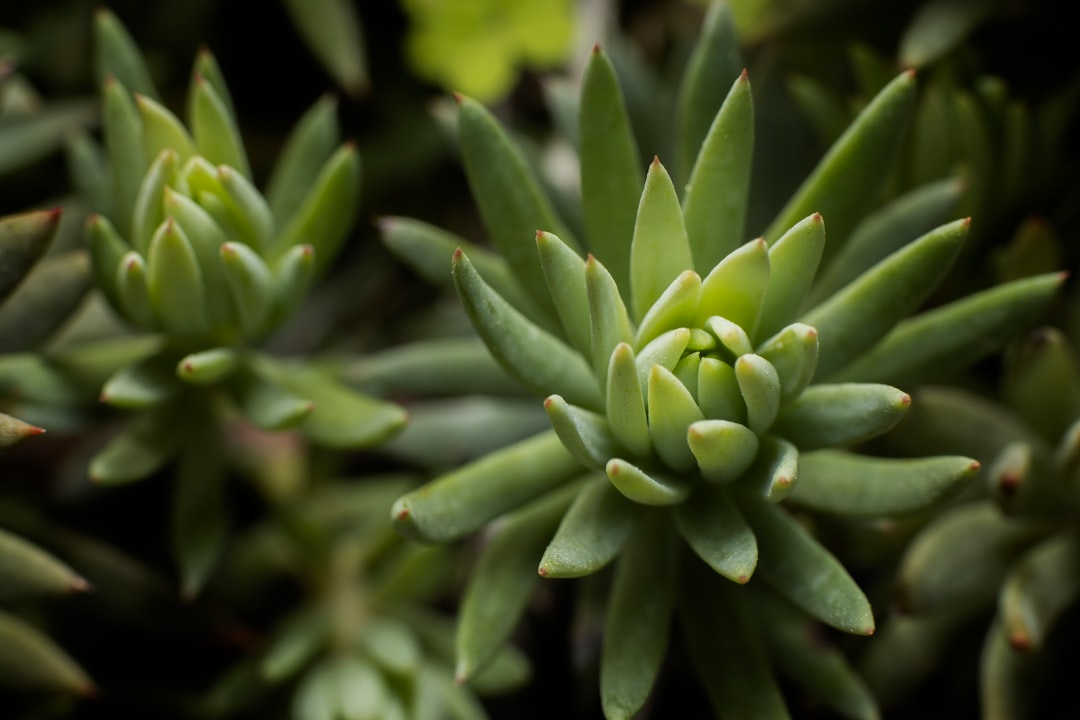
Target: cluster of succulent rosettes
{"x":1013,"y":547}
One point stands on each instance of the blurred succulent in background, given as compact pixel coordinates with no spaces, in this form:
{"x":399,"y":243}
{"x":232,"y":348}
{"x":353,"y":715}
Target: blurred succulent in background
{"x":479,"y":48}
{"x":362,"y":643}
{"x":1012,"y":548}
{"x":693,"y":406}
{"x":334,"y":33}
{"x":203,"y":267}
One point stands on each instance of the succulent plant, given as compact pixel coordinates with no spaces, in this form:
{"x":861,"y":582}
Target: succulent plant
{"x":1010,"y":550}
{"x":689,"y":407}
{"x":203,"y":267}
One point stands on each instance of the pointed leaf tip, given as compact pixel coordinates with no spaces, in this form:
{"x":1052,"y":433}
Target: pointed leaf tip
{"x":458,"y":98}
{"x":744,"y":75}
{"x":655,"y":161}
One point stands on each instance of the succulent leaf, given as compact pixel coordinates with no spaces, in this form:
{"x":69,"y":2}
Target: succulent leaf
{"x":713,"y":527}
{"x":214,"y":127}
{"x":592,"y":532}
{"x":24,"y":239}
{"x":660,"y":248}
{"x":564,"y":272}
{"x":826,"y":416}
{"x":118,"y":56}
{"x":308,"y":147}
{"x":793,"y":260}
{"x":585,"y":434}
{"x":26,"y":569}
{"x":28,"y":659}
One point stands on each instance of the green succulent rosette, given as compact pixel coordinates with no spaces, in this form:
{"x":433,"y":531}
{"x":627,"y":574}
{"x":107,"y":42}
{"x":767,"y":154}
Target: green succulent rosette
{"x":693,"y":382}
{"x":203,"y":267}
{"x":1009,"y":552}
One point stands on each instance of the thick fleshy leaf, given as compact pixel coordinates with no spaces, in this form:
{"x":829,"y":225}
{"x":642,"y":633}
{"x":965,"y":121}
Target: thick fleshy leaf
{"x":294,"y":642}
{"x":26,"y":569}
{"x":294,"y":273}
{"x":564,"y":272}
{"x":214,"y":127}
{"x":310,"y":144}
{"x":44,"y":301}
{"x":177,"y":292}
{"x":794,"y":564}
{"x":118,"y":56}
{"x":392,"y":644}
{"x":361,"y":691}
{"x":206,"y":238}
{"x":327,"y":213}
{"x":646,"y":488}
{"x":672,"y":410}
{"x":665,"y":351}
{"x":106,"y":249}
{"x":608,"y":320}
{"x":143,"y":448}
{"x":162,"y":130}
{"x":1042,"y":382}
{"x":849,"y":177}
{"x":334,"y":33}
{"x":843,"y":414}
{"x":675,"y":308}
{"x":726,"y":649}
{"x":719,"y":186}
{"x":250,"y":215}
{"x":625,"y":406}
{"x":961,"y":557}
{"x":713,"y":65}
{"x":793,"y":352}
{"x":132,"y":290}
{"x":735,"y":288}
{"x":949,"y":338}
{"x":775,"y":470}
{"x":610,"y":167}
{"x":660,"y":249}
{"x":938,"y":27}
{"x":504,"y":578}
{"x":314,"y":698}
{"x":1040,"y":587}
{"x":852,"y":485}
{"x":592,"y":532}
{"x":1005,"y":678}
{"x":207,"y":68}
{"x":585,"y":434}
{"x":793,"y":261}
{"x":464,"y":500}
{"x":1024,"y":485}
{"x":13,"y":430}
{"x":759,"y":384}
{"x":141,"y":385}
{"x":714,"y":528}
{"x":731,"y":335}
{"x":266,"y":402}
{"x":199,"y":516}
{"x":723,"y":449}
{"x":534,"y":357}
{"x":799,"y":651}
{"x":718,"y":391}
{"x":123,"y":130}
{"x":24,"y":238}
{"x":854,"y":319}
{"x":638,"y":618}
{"x":148,"y":212}
{"x":887,"y":230}
{"x":207,"y":366}
{"x":30,"y":661}
{"x":508,"y":195}
{"x":251,"y":285}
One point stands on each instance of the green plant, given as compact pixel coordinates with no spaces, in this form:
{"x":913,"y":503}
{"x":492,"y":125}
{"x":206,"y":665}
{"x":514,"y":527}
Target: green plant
{"x":693,"y":406}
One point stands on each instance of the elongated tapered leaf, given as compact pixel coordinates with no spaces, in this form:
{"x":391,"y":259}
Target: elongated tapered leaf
{"x":30,"y":661}
{"x":848,"y":484}
{"x":334,"y":33}
{"x":585,"y":434}
{"x":26,"y":569}
{"x":162,"y":130}
{"x":714,"y":528}
{"x":118,"y":56}
{"x":1042,"y":383}
{"x":726,"y":648}
{"x":736,"y":287}
{"x":251,"y":285}
{"x":713,"y":65}
{"x":123,"y":130}
{"x":960,"y":558}
{"x":148,"y":212}
{"x":131,"y":286}
{"x":842,"y":414}
{"x":759,"y":384}
{"x":672,"y":410}
{"x":250,"y":216}
{"x":609,"y":322}
{"x":951,"y":337}
{"x":106,"y":249}
{"x":848,"y":178}
{"x":464,"y":500}
{"x":647,"y":488}
{"x":730,"y":335}
{"x":1005,"y":678}
{"x":723,"y":449}
{"x":23,"y":240}
{"x":664,"y":351}
{"x":310,"y":144}
{"x":676,"y":307}
{"x":1038,"y":590}
{"x":207,"y":238}
{"x":854,"y":319}
{"x":207,"y":69}
{"x":793,"y":262}
{"x":638,"y":618}
{"x":44,"y":301}
{"x":508,"y":194}
{"x":266,"y":402}
{"x":611,"y":175}
{"x":937,"y":28}
{"x":794,"y":564}
{"x":531,"y":355}
{"x":503,"y":580}
{"x":591,"y":533}
{"x":799,"y":651}
{"x":199,"y":518}
{"x":718,"y":391}
{"x":564,"y":272}
{"x":660,"y":249}
{"x":793,"y":352}
{"x":143,"y":448}
{"x":13,"y":430}
{"x":886,"y":231}
{"x":207,"y":366}
{"x":141,"y":385}
{"x":216,"y":134}
{"x":775,"y":470}
{"x":326,"y":215}
{"x":625,"y":403}
{"x":719,"y":186}
{"x":177,"y":291}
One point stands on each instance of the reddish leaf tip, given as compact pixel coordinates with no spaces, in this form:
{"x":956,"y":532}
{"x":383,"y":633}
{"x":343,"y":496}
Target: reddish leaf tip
{"x":816,"y":218}
{"x":539,"y":235}
{"x":655,"y":161}
{"x":103,"y":397}
{"x":783,"y":481}
{"x":743,"y":578}
{"x":542,"y":572}
{"x":868,"y":631}
{"x":458,"y":254}
{"x":548,"y":402}
{"x":458,"y":98}
{"x":973,"y":467}
{"x":1020,"y":641}
{"x":402,"y":514}
{"x":79,"y":584}
{"x":1063,"y":276}
{"x":905,"y":400}
{"x":909,"y":73}
{"x":744,"y":75}
{"x":188,"y":366}
{"x":34,"y":430}
{"x":596,"y":49}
